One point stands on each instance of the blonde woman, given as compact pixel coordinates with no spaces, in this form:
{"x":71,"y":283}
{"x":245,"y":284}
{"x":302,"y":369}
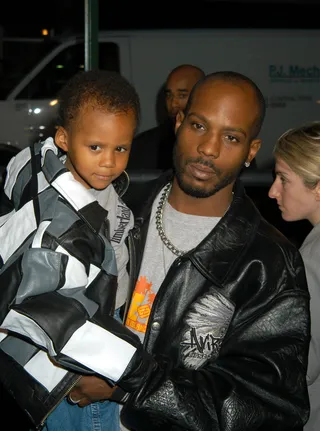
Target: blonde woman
{"x":297,"y":190}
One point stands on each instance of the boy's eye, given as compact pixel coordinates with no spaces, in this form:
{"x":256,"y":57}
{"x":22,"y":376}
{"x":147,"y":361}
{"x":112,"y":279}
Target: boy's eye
{"x":121,"y":149}
{"x":94,"y":147}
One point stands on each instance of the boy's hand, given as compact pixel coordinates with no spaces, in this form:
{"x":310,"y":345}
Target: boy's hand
{"x":90,"y":389}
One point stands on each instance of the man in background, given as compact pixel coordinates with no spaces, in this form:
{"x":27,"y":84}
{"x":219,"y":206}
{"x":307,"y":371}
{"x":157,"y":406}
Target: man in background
{"x":152,"y":149}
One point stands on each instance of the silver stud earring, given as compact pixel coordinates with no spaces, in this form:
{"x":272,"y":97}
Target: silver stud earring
{"x":247,"y":164}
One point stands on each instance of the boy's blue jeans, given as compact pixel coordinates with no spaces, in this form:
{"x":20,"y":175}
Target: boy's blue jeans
{"x":95,"y":417}
{"x":100,"y":416}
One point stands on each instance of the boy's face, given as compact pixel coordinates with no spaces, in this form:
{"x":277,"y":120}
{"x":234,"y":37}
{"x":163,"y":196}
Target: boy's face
{"x":98,"y":145}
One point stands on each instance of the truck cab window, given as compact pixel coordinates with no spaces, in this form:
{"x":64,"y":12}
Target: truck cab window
{"x":18,"y":57}
{"x":62,"y":67}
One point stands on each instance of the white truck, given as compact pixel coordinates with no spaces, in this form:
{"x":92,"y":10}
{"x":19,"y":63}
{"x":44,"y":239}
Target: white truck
{"x":284,"y":63}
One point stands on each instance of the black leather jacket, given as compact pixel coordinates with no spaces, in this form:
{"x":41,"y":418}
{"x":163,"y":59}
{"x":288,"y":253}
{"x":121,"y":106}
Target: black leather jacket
{"x":229,"y":330}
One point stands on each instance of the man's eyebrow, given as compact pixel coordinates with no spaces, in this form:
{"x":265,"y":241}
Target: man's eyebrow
{"x":236,"y":129}
{"x":201,"y":117}
{"x":180,"y":90}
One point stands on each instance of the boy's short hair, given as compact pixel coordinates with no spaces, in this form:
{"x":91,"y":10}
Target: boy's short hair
{"x":104,"y":89}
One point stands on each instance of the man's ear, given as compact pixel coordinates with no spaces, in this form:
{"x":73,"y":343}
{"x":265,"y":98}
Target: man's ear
{"x":61,"y":138}
{"x":179,"y":118}
{"x":254,"y":148}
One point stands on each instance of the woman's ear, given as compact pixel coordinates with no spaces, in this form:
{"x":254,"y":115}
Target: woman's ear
{"x":317,"y":191}
{"x":61,"y":138}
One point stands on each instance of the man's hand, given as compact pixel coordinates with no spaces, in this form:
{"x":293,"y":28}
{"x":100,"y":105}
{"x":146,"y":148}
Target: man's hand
{"x":90,"y":389}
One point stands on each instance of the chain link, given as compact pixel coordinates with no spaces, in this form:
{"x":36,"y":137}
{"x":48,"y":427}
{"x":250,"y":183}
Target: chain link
{"x":159,"y":222}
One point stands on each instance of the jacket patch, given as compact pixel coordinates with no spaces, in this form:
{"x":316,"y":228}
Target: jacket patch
{"x":206,"y":323}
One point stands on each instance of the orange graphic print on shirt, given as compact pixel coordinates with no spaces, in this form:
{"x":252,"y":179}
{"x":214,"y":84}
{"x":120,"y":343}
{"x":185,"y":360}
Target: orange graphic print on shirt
{"x":141,"y":305}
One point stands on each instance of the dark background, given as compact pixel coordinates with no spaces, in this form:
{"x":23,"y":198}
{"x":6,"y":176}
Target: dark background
{"x":25,"y":19}
{"x":63,"y":17}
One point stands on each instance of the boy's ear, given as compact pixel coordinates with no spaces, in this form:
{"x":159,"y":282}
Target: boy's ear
{"x":61,"y":138}
{"x":179,"y":118}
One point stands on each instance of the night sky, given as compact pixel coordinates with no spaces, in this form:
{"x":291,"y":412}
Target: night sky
{"x":26,"y":19}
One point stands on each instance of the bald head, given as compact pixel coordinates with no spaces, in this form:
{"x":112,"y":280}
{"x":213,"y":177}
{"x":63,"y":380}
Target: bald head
{"x":179,"y":84}
{"x":187,"y":70}
{"x":234,"y":79}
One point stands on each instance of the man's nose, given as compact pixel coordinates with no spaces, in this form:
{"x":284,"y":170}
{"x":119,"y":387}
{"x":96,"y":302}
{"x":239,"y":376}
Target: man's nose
{"x":210,"y":146}
{"x":175,"y":102}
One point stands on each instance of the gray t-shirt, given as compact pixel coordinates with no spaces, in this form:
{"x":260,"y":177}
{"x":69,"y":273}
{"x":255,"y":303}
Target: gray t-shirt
{"x":120,"y":221}
{"x":185,"y":231}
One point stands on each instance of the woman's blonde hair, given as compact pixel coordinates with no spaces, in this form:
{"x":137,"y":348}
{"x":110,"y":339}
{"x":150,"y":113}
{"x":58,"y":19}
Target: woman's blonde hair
{"x":300,"y":149}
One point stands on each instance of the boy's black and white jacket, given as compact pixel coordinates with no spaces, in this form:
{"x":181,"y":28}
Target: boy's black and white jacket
{"x":58,"y":278}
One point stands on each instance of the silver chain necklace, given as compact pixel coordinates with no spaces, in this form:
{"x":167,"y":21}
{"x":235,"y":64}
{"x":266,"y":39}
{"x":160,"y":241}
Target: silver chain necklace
{"x":159,"y":222}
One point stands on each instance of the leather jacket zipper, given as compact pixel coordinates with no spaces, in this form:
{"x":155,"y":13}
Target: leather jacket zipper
{"x":51,"y":410}
{"x":132,"y":268}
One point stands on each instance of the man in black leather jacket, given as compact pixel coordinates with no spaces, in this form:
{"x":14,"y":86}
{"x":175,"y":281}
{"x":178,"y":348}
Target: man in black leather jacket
{"x":220,"y":309}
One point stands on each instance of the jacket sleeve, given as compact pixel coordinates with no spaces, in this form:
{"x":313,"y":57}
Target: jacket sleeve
{"x":63,"y":303}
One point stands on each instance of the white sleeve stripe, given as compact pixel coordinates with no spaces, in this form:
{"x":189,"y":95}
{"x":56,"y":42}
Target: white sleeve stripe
{"x":3,"y":335}
{"x":75,"y":273}
{"x":93,"y":272}
{"x":6,"y":217}
{"x":72,"y":191}
{"x":37,"y":240}
{"x":100,"y":350}
{"x":42,"y":182}
{"x":90,"y":345}
{"x":16,"y":229}
{"x":14,"y":167}
{"x":44,"y":371}
{"x":21,"y":324}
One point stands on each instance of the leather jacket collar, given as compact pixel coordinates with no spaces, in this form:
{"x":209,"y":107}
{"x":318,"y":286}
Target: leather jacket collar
{"x":121,"y":183}
{"x":229,"y":239}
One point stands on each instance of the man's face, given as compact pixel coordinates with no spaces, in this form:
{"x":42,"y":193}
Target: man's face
{"x":214,"y":139}
{"x":177,"y":90}
{"x":98,"y":145}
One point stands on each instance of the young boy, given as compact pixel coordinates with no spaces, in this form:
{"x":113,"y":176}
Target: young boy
{"x":63,"y":255}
